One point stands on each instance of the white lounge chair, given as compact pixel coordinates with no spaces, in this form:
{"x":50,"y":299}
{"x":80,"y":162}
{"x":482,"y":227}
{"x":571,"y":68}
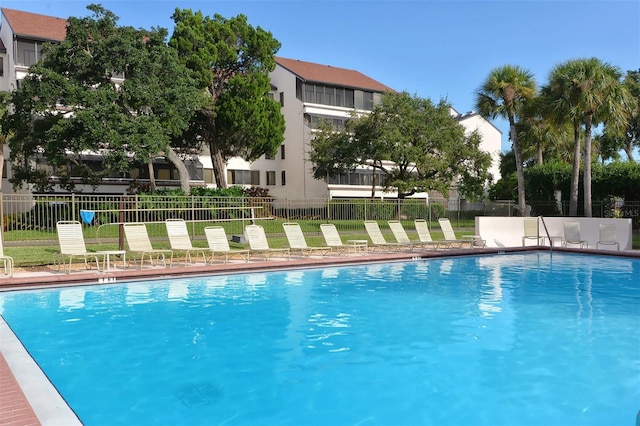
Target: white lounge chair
{"x":181,"y":241}
{"x":219,"y":244}
{"x":402,"y":238}
{"x":422,"y":228}
{"x":139,"y":243}
{"x":71,"y":242}
{"x":572,"y":234}
{"x":7,"y":261}
{"x":259,"y":245}
{"x":450,"y":236}
{"x":377,"y":239}
{"x":332,"y":238}
{"x":607,"y":236}
{"x":298,"y":243}
{"x":532,"y":231}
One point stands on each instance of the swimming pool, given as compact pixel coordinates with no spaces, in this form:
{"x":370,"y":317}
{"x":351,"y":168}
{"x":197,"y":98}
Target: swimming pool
{"x":518,"y":338}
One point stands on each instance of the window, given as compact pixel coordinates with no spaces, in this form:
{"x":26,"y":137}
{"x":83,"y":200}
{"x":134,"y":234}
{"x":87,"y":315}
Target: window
{"x":282,"y":156}
{"x":281,"y":99}
{"x":268,"y":156}
{"x":28,"y":52}
{"x":243,"y":177}
{"x":271,"y":178}
{"x":325,"y":95}
{"x":283,"y":177}
{"x":1,"y":66}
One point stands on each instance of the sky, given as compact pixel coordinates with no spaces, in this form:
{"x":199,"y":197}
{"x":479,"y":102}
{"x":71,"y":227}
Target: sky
{"x":430,"y":48}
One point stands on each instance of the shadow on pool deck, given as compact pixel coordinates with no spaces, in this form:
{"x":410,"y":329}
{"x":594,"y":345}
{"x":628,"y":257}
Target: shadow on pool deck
{"x":15,"y":407}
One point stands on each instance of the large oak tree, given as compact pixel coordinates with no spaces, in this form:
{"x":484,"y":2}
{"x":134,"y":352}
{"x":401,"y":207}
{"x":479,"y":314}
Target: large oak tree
{"x":230,"y":61}
{"x":74,"y":102}
{"x":416,"y":144}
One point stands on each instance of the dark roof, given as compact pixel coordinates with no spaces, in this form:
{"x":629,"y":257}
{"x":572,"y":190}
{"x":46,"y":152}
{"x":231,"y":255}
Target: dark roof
{"x":317,"y":73}
{"x":34,"y":26}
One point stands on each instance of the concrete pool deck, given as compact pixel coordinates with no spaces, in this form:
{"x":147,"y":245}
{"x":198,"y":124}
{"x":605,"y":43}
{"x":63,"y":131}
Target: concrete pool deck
{"x":28,"y":398}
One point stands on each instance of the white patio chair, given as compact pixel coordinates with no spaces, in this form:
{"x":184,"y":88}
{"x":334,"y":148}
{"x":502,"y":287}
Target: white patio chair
{"x":139,"y":243}
{"x":258,"y":243}
{"x":180,"y":240}
{"x":7,"y":261}
{"x":297,"y":242}
{"x":219,"y":244}
{"x":607,"y":236}
{"x":71,"y":242}
{"x":572,"y":234}
{"x":377,"y":239}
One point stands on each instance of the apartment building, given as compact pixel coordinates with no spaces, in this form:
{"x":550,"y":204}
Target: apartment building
{"x":307,"y":92}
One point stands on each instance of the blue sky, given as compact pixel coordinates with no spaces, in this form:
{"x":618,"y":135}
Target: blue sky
{"x":432,"y":48}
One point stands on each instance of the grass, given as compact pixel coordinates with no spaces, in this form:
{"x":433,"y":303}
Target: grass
{"x":41,"y":253}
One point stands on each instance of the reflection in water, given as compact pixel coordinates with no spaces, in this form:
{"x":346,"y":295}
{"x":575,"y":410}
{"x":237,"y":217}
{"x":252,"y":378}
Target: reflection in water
{"x":72,"y":298}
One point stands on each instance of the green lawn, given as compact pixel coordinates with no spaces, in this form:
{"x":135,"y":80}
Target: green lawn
{"x":42,"y":254}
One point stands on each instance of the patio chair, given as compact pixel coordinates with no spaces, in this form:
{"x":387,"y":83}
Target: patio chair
{"x":607,"y":236}
{"x":219,"y":244}
{"x":71,"y":242}
{"x":139,"y":243}
{"x":180,"y":240}
{"x":297,"y":242}
{"x":402,"y":238}
{"x":377,"y":239}
{"x":258,"y":243}
{"x":6,"y":260}
{"x":450,"y":236}
{"x":422,"y":228}
{"x":532,"y":231}
{"x":572,"y":234}
{"x":332,"y":238}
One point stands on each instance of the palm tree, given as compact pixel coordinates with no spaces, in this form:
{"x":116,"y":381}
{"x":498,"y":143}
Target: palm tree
{"x":585,"y":92}
{"x":503,"y":94}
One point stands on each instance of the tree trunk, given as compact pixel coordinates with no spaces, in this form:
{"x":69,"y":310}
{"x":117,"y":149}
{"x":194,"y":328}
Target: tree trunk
{"x":539,"y":159}
{"x":522,"y":203}
{"x":575,"y":174}
{"x":218,"y":165}
{"x":628,"y":149}
{"x":587,"y":168}
{"x":152,"y":176}
{"x":182,"y":169}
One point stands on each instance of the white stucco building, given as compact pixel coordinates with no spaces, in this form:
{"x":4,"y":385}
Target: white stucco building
{"x":306,"y":91}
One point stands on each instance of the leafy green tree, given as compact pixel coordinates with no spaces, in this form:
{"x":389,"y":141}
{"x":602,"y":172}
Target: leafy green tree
{"x":503,"y":94}
{"x":627,"y":138}
{"x":4,"y":103}
{"x":586,"y":92}
{"x":230,"y":61}
{"x":75,"y":101}
{"x":416,"y":144}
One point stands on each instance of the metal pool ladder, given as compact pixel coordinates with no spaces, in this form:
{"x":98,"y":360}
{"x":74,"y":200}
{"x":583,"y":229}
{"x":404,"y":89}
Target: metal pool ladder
{"x":547,"y":232}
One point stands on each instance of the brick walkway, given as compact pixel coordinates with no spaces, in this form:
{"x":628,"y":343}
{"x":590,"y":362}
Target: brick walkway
{"x":14,"y":407}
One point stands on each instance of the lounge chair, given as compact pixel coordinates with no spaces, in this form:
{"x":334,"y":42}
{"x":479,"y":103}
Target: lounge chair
{"x":139,"y":243}
{"x":71,"y":242}
{"x":532,"y":231}
{"x":298,"y":243}
{"x":422,"y":228}
{"x":608,"y":236}
{"x":572,"y":234}
{"x":6,"y":260}
{"x":259,"y":245}
{"x":450,"y":236}
{"x":377,"y":239}
{"x":332,"y":238}
{"x":181,"y":241}
{"x":402,"y":238}
{"x":219,"y":244}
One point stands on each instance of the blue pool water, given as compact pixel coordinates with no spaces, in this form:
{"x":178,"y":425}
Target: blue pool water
{"x":509,"y":339}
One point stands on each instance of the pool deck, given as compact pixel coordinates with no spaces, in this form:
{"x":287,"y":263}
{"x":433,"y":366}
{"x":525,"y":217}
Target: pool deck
{"x":26,"y":400}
